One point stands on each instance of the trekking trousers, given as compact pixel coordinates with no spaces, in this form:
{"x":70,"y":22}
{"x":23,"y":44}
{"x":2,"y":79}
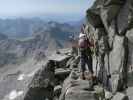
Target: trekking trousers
{"x":86,"y":60}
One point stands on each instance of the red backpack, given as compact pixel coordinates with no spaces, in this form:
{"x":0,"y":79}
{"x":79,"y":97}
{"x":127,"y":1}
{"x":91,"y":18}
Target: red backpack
{"x":82,"y":43}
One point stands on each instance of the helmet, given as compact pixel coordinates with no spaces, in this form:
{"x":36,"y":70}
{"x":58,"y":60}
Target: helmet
{"x":81,"y":35}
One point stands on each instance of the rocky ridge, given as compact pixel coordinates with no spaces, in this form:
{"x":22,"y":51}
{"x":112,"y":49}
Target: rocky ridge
{"x":44,"y":38}
{"x":110,"y":25}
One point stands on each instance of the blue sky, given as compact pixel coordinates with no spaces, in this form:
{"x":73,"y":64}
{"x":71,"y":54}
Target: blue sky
{"x":36,"y":7}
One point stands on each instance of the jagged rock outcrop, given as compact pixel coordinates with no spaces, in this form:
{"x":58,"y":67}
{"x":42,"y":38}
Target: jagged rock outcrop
{"x":42,"y":85}
{"x":36,"y":80}
{"x":76,"y":89}
{"x":61,"y":74}
{"x":108,"y":23}
{"x":47,"y":82}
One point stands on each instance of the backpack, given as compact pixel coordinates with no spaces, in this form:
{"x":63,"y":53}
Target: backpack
{"x":82,"y":43}
{"x":84,"y":47}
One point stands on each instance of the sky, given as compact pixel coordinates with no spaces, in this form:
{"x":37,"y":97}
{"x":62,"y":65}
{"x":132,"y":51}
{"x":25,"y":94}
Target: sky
{"x":11,"y":8}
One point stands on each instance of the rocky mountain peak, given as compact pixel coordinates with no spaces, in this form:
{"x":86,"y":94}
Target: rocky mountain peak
{"x":109,"y":24}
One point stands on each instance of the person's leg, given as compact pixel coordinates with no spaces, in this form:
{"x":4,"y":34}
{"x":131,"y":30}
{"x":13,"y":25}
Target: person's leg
{"x":89,"y":63}
{"x":82,"y":61}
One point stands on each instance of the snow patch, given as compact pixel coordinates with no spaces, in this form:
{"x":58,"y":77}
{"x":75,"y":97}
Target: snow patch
{"x":21,"y":77}
{"x":14,"y":94}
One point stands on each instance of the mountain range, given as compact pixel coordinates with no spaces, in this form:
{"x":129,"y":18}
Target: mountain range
{"x":24,"y":27}
{"x":21,"y":38}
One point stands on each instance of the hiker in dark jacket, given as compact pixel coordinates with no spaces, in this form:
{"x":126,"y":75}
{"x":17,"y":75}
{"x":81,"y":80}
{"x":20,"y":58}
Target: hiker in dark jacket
{"x":85,"y":54}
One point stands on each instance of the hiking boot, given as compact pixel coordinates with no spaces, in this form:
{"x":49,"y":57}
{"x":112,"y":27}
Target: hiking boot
{"x":82,"y":76}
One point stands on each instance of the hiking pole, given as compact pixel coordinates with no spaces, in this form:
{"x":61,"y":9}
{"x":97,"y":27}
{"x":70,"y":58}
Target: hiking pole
{"x":109,"y":75}
{"x":96,"y":65}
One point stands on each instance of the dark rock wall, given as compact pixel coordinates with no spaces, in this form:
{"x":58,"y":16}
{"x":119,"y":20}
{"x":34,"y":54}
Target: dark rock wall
{"x":108,"y":24}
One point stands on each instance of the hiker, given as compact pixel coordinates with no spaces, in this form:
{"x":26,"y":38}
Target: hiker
{"x":85,"y":54}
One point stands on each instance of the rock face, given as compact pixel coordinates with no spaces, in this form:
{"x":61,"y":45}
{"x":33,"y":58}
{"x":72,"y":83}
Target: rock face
{"x":42,"y":85}
{"x":76,"y":89}
{"x":119,"y":69}
{"x":109,"y":22}
{"x":47,"y":81}
{"x":120,"y":96}
{"x":110,"y":25}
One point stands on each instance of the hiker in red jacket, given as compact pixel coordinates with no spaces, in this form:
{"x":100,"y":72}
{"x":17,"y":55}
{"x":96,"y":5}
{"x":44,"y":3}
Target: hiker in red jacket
{"x":85,"y":54}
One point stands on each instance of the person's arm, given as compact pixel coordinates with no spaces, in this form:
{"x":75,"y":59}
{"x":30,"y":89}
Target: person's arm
{"x":90,"y":44}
